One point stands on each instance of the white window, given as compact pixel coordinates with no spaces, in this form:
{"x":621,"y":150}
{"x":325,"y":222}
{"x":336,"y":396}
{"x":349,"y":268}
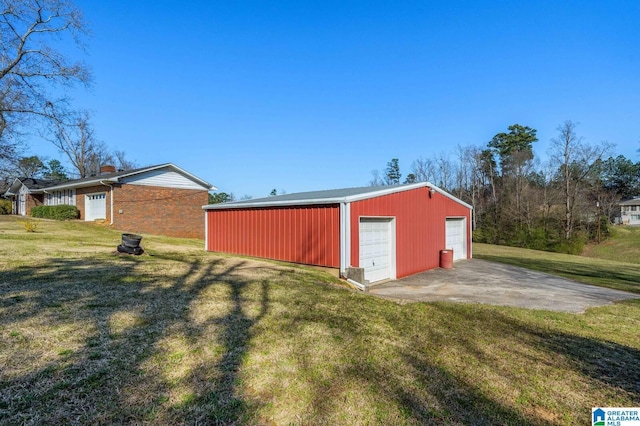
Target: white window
{"x":56,"y":198}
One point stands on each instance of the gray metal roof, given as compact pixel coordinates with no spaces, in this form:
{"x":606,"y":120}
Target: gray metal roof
{"x":320,"y":195}
{"x":331,"y":196}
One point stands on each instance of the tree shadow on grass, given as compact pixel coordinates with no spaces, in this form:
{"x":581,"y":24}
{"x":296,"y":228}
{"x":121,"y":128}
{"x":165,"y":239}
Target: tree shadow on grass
{"x":387,"y":374}
{"x":606,"y":364}
{"x":422,"y":387}
{"x":104,"y":377}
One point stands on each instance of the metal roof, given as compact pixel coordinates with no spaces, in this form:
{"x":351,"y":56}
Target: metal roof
{"x":331,"y":196}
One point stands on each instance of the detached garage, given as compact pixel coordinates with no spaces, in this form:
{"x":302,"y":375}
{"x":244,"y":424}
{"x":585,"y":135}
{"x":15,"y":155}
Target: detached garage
{"x":385,"y":232}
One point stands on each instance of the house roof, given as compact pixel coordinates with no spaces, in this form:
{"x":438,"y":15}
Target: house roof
{"x":332,"y":196}
{"x":631,"y":202}
{"x":117,"y":176}
{"x":32,"y":184}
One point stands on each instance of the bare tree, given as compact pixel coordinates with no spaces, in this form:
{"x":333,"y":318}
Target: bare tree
{"x":423,"y":169}
{"x":376,"y":180}
{"x":77,"y":142}
{"x":30,"y":65}
{"x":99,"y":156}
{"x":445,"y":172}
{"x":577,"y":160}
{"x":122,"y":162}
{"x":9,"y":156}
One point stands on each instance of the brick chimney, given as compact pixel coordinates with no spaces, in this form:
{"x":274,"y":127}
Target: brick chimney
{"x":105,"y":170}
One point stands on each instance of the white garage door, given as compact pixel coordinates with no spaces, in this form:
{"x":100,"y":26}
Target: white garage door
{"x":95,"y":206}
{"x":456,"y":238}
{"x":376,"y":250}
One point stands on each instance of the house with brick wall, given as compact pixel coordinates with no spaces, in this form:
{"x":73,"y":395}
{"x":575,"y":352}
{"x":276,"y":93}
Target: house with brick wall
{"x":162,"y":199}
{"x":26,"y":193}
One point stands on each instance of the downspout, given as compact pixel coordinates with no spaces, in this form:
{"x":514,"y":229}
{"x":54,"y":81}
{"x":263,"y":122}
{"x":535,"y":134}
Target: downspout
{"x":359,"y":286}
{"x":110,"y":199}
{"x":206,"y":229}
{"x":343,"y":240}
{"x":345,"y":244}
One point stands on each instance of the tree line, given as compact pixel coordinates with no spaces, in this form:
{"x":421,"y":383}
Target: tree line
{"x":558,"y":204}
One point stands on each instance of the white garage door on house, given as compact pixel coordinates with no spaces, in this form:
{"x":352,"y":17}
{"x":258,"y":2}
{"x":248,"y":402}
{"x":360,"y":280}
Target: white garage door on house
{"x":377,"y":249}
{"x":456,"y":237}
{"x":95,"y":206}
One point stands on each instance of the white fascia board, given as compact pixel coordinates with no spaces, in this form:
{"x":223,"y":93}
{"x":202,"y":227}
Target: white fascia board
{"x":84,"y":184}
{"x":385,"y":191}
{"x":382,"y":192}
{"x":446,"y":194}
{"x":249,"y":205}
{"x":15,"y":187}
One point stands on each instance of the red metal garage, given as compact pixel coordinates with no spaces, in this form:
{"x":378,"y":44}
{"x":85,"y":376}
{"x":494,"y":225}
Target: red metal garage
{"x":390,"y":232}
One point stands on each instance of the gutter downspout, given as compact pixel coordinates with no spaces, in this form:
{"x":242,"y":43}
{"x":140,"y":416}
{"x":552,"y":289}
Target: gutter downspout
{"x":343,"y":240}
{"x":206,"y":230}
{"x":345,"y":244}
{"x":356,"y":284}
{"x":110,"y":198}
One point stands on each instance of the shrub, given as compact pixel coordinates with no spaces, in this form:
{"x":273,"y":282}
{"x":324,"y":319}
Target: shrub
{"x":5,"y":207}
{"x":30,"y":225}
{"x":61,"y":212}
{"x":575,"y":245}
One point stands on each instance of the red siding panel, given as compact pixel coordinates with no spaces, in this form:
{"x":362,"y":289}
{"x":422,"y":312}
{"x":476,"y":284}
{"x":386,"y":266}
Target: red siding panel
{"x":304,"y":234}
{"x":420,"y":226}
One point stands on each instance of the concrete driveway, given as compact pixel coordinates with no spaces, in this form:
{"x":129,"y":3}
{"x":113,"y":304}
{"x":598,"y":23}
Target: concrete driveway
{"x":480,"y":281}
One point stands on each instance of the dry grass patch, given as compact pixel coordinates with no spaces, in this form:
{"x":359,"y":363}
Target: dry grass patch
{"x":181,"y":336}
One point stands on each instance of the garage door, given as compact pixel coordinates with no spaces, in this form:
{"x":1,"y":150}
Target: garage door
{"x":95,"y":206}
{"x":456,"y":237}
{"x":376,"y":250}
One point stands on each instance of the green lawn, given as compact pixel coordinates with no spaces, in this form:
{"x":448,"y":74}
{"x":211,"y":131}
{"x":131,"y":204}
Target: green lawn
{"x":603,"y":272}
{"x":622,"y":246}
{"x":182,"y":336}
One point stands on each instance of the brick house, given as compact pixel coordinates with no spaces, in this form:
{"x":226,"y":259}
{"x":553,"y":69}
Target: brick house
{"x":162,"y":199}
{"x":26,"y":193}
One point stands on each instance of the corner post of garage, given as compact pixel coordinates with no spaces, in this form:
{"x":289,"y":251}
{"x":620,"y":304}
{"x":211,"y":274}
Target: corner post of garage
{"x":345,"y":238}
{"x":206,"y":227}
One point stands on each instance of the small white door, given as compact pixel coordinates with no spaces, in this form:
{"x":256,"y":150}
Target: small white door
{"x":456,"y":237}
{"x":376,"y":249}
{"x":95,"y":206}
{"x":22,"y":204}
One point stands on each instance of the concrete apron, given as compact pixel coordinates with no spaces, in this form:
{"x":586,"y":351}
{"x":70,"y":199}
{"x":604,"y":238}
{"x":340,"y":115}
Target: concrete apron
{"x":481,"y":281}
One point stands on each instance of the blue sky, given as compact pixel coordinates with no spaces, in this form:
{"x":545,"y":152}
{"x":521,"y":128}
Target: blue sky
{"x":300,"y":95}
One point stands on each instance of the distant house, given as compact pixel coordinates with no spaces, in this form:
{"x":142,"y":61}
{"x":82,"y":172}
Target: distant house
{"x":162,"y":199}
{"x":26,"y":193}
{"x":630,"y":211}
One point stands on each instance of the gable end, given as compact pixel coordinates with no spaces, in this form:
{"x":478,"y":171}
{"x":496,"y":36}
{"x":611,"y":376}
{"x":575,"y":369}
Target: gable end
{"x":163,"y":178}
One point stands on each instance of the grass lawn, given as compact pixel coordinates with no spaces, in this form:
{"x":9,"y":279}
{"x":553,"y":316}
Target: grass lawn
{"x":622,"y":246}
{"x":604,"y":272}
{"x":182,"y":336}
